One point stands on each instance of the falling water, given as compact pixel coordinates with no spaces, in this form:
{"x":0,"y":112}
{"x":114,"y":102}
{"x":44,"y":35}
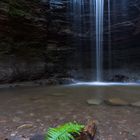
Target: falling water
{"x":96,"y":14}
{"x":99,"y":14}
{"x":109,"y":38}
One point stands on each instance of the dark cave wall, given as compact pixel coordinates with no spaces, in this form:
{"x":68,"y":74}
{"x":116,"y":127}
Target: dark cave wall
{"x":125,"y":35}
{"x":125,"y":16}
{"x":37,"y":40}
{"x":31,"y":44}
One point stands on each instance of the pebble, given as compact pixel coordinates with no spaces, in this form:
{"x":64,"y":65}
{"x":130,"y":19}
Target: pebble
{"x":94,"y":101}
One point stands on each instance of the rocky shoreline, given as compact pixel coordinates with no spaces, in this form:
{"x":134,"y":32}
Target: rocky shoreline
{"x":39,"y":83}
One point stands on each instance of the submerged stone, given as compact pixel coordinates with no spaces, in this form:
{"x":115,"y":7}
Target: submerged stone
{"x":136,"y":104}
{"x":94,"y":101}
{"x":116,"y":102}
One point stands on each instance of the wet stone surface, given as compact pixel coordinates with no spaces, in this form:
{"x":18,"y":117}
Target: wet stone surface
{"x":136,"y":104}
{"x":116,"y":102}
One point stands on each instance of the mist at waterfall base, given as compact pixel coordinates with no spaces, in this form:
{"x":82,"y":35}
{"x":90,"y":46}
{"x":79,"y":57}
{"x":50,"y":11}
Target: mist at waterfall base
{"x":88,"y":20}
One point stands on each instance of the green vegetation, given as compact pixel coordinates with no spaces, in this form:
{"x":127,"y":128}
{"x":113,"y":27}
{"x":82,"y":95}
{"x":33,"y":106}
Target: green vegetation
{"x":64,"y":132}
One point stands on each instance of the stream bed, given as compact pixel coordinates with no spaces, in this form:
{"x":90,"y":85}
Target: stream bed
{"x":25,"y":112}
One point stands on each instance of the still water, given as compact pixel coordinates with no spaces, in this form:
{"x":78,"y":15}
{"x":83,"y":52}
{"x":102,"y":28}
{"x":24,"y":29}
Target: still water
{"x":45,"y":107}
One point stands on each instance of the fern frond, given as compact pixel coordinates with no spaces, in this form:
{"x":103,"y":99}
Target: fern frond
{"x":64,"y":132}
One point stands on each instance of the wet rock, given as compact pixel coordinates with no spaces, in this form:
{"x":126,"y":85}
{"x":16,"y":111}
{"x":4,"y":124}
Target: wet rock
{"x":116,"y":102}
{"x":46,"y":82}
{"x":66,"y":81}
{"x":94,"y":101}
{"x":119,"y":78}
{"x":66,"y":31}
{"x":136,"y":104}
{"x":38,"y":137}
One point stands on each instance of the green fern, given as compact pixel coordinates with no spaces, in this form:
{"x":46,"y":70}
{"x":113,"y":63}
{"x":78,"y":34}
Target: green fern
{"x":64,"y":132}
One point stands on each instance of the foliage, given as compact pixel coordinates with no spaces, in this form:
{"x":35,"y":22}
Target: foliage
{"x":64,"y":132}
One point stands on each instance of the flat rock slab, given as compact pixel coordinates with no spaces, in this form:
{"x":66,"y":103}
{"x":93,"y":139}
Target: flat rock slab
{"x":94,"y":101}
{"x":136,"y":104}
{"x":116,"y":102}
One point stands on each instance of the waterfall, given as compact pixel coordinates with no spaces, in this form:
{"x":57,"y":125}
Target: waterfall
{"x":96,"y":26}
{"x":99,"y":14}
{"x":109,"y":38}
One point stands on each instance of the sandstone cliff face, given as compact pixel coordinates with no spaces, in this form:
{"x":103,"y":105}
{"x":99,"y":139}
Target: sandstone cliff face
{"x":37,"y":40}
{"x":125,"y":33}
{"x":31,"y":46}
